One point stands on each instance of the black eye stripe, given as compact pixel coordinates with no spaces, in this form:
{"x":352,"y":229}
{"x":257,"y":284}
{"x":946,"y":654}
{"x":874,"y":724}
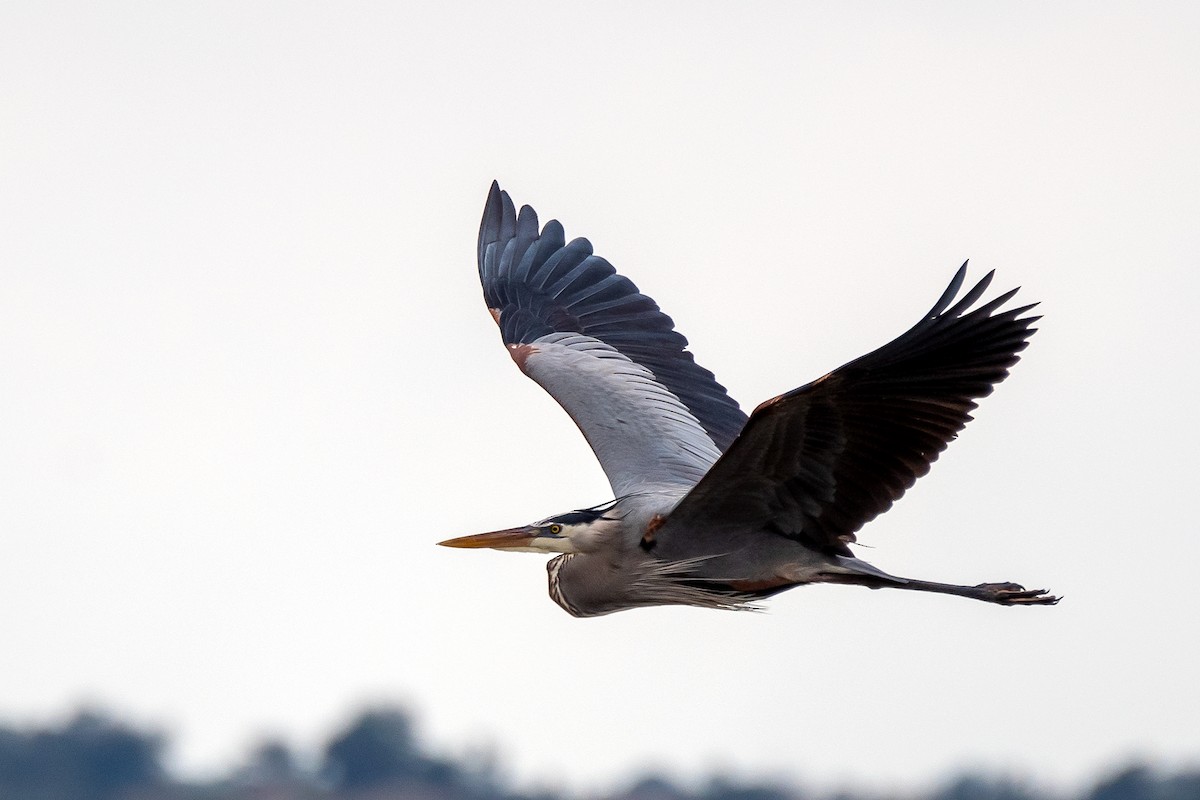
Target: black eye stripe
{"x":578,"y":517}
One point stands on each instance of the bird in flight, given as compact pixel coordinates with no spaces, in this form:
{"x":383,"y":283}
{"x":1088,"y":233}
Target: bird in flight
{"x":712,"y":508}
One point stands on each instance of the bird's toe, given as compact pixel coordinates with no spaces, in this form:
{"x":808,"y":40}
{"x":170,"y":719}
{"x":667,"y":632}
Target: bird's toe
{"x":1014,"y":594}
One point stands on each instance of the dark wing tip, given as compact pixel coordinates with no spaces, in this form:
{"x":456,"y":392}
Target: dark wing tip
{"x":948,"y":296}
{"x":499,"y":219}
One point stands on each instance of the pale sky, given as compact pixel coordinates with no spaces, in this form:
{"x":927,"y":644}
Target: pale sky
{"x":248,"y":378}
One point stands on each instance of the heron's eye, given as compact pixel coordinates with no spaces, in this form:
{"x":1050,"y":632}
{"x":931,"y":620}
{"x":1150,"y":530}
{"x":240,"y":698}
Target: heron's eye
{"x":556,"y":529}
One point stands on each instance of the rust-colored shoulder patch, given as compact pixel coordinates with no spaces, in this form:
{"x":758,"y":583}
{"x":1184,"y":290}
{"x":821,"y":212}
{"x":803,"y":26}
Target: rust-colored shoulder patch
{"x":520,"y":353}
{"x":656,"y":522}
{"x":765,"y":405}
{"x":831,"y":378}
{"x":495,"y":314}
{"x":828,"y":376}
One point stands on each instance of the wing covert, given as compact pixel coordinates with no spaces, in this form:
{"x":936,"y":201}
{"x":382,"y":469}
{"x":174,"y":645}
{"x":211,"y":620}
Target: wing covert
{"x":537,"y":283}
{"x":819,"y":462}
{"x":641,"y":434}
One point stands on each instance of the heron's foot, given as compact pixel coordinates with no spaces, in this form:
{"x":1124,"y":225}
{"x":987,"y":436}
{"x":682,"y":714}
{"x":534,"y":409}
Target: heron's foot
{"x":1014,"y":594}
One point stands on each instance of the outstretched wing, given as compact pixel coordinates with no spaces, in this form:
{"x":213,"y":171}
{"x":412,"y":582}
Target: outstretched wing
{"x":819,"y":462}
{"x":603,"y":350}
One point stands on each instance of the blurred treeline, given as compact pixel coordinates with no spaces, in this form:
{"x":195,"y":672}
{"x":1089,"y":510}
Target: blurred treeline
{"x":378,"y":757}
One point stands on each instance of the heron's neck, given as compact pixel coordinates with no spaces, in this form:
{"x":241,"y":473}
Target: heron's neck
{"x":595,"y":583}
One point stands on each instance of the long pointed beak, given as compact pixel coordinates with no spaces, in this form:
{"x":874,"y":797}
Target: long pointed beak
{"x":510,"y":539}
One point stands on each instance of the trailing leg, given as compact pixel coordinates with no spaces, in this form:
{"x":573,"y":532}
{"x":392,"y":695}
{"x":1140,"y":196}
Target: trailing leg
{"x":1005,"y":594}
{"x":860,"y":573}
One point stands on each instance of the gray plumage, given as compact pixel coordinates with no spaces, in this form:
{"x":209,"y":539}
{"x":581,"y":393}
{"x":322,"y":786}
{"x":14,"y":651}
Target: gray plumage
{"x":713,"y":509}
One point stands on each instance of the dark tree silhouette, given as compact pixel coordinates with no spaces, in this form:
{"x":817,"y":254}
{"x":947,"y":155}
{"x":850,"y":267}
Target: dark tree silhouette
{"x":90,"y":758}
{"x":723,"y":788}
{"x":978,"y":787}
{"x":1133,"y":783}
{"x":379,"y":757}
{"x":654,"y":787}
{"x":271,"y":764}
{"x":1139,"y":782}
{"x":379,"y":749}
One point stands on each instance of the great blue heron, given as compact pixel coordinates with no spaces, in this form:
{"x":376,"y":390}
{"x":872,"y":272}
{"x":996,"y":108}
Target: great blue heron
{"x":713,"y":508}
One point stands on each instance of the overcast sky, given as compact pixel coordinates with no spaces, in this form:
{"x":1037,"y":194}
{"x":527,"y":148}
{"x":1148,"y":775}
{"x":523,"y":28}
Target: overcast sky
{"x":248,"y":379}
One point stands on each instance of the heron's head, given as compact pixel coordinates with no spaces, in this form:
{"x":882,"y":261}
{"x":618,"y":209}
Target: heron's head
{"x":573,"y":532}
